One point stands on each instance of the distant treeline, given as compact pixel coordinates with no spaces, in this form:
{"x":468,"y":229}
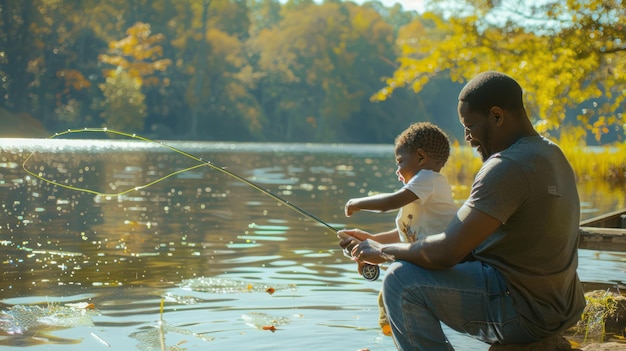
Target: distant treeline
{"x":239,"y":70}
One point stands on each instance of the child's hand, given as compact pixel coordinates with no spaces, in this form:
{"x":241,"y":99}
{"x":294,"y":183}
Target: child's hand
{"x":350,"y":207}
{"x":349,"y":242}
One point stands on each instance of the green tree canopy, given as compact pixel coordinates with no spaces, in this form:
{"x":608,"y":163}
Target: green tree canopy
{"x":563,"y":53}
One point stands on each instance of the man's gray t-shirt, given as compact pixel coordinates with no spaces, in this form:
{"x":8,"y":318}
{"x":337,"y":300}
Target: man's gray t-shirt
{"x":530,"y":187}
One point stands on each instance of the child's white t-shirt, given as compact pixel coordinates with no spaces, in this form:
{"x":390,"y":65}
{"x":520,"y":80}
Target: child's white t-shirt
{"x":431,"y":212}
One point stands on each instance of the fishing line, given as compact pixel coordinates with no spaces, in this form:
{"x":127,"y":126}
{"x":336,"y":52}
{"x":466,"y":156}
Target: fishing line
{"x":201,"y":163}
{"x":370,"y":272}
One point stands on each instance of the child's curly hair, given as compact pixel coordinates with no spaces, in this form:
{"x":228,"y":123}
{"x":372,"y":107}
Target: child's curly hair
{"x":425,"y":136}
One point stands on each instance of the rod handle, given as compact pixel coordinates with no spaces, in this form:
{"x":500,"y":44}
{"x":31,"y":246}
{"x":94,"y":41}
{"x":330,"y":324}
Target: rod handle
{"x":370,"y":272}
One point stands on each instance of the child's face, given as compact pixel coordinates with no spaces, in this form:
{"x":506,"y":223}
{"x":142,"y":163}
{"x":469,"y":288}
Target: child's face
{"x":408,"y":164}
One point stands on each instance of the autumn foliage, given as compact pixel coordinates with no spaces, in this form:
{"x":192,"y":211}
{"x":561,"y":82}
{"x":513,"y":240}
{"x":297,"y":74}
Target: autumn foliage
{"x":305,"y":71}
{"x":566,"y":54}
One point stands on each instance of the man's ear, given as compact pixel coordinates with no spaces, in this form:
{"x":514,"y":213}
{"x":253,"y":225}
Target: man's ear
{"x":497,"y":114}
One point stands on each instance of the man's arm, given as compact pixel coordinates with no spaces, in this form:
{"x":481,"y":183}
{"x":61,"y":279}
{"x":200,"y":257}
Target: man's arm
{"x":468,"y":229}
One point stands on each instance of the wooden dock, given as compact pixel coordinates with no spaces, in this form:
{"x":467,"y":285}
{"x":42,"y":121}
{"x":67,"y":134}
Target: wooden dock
{"x":605,"y":233}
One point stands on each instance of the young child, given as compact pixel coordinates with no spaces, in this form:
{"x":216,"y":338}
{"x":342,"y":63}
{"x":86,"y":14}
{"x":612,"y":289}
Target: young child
{"x":425,"y":201}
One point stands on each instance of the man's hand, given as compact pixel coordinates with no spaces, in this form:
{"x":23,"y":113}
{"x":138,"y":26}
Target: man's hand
{"x":349,"y":242}
{"x":368,"y":251}
{"x":351,"y":237}
{"x":360,"y":246}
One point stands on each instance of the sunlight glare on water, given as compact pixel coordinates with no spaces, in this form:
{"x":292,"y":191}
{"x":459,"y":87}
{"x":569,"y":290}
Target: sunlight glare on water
{"x":232,"y":266}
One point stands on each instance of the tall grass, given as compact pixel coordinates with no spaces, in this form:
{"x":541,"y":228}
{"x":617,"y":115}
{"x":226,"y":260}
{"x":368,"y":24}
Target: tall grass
{"x":462,"y":166}
{"x":605,"y":163}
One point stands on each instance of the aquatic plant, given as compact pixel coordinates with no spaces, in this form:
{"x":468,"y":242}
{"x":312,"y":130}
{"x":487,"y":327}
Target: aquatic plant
{"x":19,"y":319}
{"x":602,"y":315}
{"x":152,"y":338}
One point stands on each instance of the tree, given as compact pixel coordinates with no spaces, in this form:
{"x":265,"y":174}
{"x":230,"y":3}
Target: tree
{"x":264,"y":14}
{"x":318,"y":68}
{"x":231,"y":17}
{"x":45,"y":65}
{"x":123,"y":107}
{"x":139,"y":54}
{"x":395,"y":15}
{"x":16,"y":40}
{"x":136,"y":58}
{"x":210,"y":70}
{"x":563,"y":54}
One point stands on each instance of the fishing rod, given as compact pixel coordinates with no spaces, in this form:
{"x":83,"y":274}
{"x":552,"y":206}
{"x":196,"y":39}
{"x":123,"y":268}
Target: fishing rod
{"x":369,"y":272}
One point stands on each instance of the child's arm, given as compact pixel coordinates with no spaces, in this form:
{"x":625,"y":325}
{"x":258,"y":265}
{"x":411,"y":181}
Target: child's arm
{"x":387,"y":237}
{"x":380,"y":202}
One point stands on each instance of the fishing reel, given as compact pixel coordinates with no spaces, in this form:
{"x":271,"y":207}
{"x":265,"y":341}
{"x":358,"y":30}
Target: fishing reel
{"x":370,"y":272}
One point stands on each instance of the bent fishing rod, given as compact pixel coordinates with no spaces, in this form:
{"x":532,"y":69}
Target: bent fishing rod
{"x":369,"y":271}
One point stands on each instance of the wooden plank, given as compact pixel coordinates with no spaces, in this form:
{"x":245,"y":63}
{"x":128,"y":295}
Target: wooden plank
{"x":613,"y":219}
{"x":602,"y":239}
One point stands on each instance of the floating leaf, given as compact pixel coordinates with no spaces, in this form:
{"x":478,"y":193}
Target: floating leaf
{"x":264,"y":321}
{"x":269,"y":327}
{"x":225,"y":286}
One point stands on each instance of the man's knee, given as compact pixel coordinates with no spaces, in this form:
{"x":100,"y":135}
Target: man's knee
{"x":396,"y":279}
{"x":391,"y":283}
{"x":391,"y":274}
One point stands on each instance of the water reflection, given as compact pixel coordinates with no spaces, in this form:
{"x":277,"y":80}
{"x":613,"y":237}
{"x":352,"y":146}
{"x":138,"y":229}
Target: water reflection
{"x":127,"y":253}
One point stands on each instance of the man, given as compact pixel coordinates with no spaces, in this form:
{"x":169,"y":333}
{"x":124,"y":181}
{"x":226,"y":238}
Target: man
{"x":504,"y":270}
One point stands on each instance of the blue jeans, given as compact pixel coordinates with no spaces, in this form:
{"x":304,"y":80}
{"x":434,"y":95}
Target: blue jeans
{"x":471,"y":298}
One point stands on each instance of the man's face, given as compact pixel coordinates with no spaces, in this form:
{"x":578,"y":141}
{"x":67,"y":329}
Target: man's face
{"x":478,"y":130}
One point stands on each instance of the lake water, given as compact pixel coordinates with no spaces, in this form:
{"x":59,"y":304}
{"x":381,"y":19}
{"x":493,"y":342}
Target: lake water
{"x":200,"y":260}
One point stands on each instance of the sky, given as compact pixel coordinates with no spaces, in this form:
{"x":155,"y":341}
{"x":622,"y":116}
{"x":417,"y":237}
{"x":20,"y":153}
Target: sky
{"x":406,"y":4}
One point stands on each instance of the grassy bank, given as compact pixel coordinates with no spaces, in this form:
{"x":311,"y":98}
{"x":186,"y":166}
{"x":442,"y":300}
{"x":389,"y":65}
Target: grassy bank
{"x":605,"y":163}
